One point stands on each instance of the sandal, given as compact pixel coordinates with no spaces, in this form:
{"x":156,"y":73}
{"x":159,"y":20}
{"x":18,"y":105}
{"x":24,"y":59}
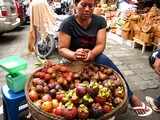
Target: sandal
{"x":150,"y":101}
{"x":140,"y":108}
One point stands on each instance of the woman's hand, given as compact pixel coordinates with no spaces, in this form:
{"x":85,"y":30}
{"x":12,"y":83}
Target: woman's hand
{"x":80,"y":54}
{"x":83,"y":55}
{"x":89,"y":56}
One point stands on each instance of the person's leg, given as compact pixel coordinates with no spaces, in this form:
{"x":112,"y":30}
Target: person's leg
{"x":157,"y":102}
{"x":103,"y":59}
{"x":32,"y":40}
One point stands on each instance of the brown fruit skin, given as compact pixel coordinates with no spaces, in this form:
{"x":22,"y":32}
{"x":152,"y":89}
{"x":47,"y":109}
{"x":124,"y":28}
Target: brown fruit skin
{"x":40,"y":82}
{"x":58,"y":111}
{"x":44,"y":69}
{"x":81,"y":114}
{"x":49,"y":63}
{"x":120,"y":95}
{"x":51,"y":85}
{"x":71,"y":86}
{"x":96,"y":110}
{"x":109,"y":71}
{"x":47,"y":77}
{"x":63,"y":68}
{"x":81,"y":90}
{"x":85,"y":76}
{"x":60,"y":80}
{"x":113,"y":77}
{"x":47,"y":106}
{"x":54,"y":74}
{"x":117,"y":83}
{"x":52,"y":92}
{"x":100,"y":100}
{"x":76,"y":76}
{"x":32,"y":88}
{"x":46,"y":97}
{"x":38,"y":103}
{"x":95,"y":69}
{"x":34,"y":81}
{"x":55,"y":103}
{"x":91,"y":91}
{"x":102,"y":76}
{"x":50,"y":70}
{"x":33,"y":95}
{"x":69,"y":78}
{"x":42,"y":75}
{"x":59,"y":96}
{"x":69,"y":114}
{"x":39,"y":89}
{"x":45,"y":89}
{"x":51,"y":81}
{"x":106,"y":108}
{"x":101,"y":68}
{"x":56,"y":67}
{"x":37,"y":74}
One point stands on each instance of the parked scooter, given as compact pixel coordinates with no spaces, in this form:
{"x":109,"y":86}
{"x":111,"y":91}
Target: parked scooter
{"x":46,"y":45}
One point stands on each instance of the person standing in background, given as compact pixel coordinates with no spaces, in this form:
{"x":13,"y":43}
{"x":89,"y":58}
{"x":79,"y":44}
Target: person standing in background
{"x":41,"y":14}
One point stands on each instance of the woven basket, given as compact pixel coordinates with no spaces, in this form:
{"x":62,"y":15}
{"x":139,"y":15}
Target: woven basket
{"x":125,"y":34}
{"x":156,"y":40}
{"x":38,"y":114}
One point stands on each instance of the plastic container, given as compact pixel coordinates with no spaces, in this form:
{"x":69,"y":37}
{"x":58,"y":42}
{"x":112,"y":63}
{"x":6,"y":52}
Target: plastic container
{"x":16,"y":82}
{"x":13,"y":64}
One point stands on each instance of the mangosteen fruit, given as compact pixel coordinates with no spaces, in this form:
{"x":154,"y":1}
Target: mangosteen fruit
{"x":96,"y":110}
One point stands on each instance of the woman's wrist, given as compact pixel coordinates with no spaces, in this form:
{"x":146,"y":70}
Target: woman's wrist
{"x":94,"y":54}
{"x":73,"y":56}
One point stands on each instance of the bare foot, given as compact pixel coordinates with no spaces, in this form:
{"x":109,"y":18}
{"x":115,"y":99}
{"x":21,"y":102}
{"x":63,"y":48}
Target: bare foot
{"x":136,"y":102}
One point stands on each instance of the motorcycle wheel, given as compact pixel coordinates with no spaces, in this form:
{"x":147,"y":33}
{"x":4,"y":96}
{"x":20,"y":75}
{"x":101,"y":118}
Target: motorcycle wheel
{"x":44,"y":48}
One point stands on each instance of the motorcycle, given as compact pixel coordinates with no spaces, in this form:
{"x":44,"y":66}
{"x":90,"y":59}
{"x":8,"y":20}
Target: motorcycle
{"x":46,"y":45}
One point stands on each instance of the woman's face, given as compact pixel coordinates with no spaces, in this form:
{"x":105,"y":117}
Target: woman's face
{"x":85,"y":9}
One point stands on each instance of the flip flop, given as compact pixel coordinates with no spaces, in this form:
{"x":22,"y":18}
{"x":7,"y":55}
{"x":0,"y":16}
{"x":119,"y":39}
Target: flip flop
{"x":148,"y":99}
{"x":139,"y":108}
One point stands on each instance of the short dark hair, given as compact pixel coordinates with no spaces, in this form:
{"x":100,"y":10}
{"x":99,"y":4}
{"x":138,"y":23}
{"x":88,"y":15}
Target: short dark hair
{"x":77,"y":1}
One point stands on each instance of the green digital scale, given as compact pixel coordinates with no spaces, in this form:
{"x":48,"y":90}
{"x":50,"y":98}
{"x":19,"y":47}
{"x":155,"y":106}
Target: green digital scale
{"x":16,"y":78}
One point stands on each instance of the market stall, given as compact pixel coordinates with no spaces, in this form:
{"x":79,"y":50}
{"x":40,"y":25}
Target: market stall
{"x":130,"y":21}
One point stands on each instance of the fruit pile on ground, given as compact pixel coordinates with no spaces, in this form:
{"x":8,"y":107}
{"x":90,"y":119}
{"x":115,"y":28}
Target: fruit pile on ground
{"x":89,"y":93}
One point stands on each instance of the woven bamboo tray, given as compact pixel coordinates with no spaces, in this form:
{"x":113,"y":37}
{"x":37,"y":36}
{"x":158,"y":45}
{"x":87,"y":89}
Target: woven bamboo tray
{"x":38,"y":114}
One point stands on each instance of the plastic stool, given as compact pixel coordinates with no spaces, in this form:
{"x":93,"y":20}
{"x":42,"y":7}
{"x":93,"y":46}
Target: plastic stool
{"x":11,"y":103}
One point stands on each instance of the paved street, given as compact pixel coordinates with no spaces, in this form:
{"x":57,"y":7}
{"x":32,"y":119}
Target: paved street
{"x":134,"y":65}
